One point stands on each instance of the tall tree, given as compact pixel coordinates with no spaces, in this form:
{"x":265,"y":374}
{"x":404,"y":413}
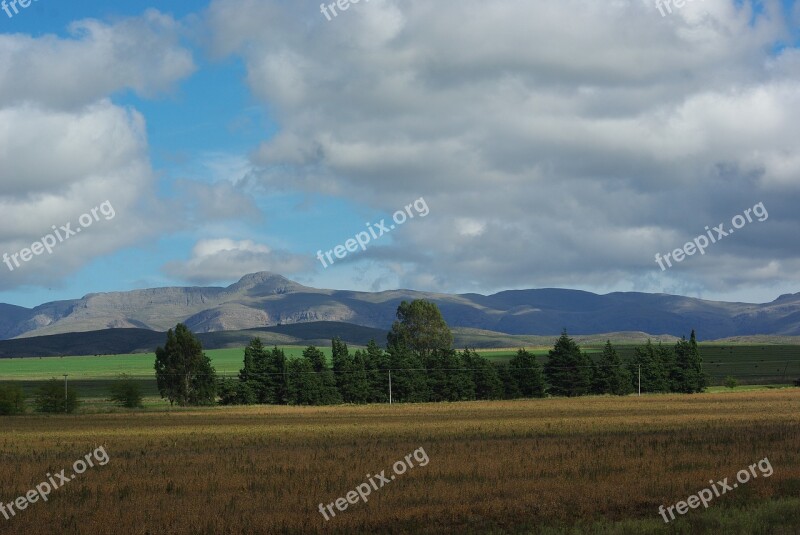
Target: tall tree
{"x":528,"y":374}
{"x":448,"y":379}
{"x":650,"y":362}
{"x":328,"y":394}
{"x":421,"y":328}
{"x":184,"y":373}
{"x":567,"y":369}
{"x":510,"y":386}
{"x":487,"y":382}
{"x":611,"y":376}
{"x":376,"y":367}
{"x":253,"y":380}
{"x":687,"y":373}
{"x":409,"y":375}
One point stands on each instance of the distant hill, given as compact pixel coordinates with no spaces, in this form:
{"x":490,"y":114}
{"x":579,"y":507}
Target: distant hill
{"x":265,"y":300}
{"x":125,"y":341}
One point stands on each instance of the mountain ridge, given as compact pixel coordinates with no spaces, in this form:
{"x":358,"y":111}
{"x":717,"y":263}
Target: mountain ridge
{"x":266,"y":299}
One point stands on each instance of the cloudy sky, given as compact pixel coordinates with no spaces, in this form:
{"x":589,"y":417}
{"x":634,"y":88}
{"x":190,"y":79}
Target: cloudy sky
{"x":553,"y":143}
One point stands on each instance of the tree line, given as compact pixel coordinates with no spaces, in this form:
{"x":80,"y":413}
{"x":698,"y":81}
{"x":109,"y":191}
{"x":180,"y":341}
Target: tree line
{"x":421,"y":366}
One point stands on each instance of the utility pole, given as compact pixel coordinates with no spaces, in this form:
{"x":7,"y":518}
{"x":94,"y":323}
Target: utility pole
{"x":390,"y":387}
{"x":65,"y":393}
{"x":640,"y":379}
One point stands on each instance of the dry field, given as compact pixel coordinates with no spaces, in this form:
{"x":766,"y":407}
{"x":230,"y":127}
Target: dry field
{"x":587,"y":465}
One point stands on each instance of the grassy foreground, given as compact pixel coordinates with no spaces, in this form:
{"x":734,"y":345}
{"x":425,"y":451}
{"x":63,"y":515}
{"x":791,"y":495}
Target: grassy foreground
{"x":584,"y":465}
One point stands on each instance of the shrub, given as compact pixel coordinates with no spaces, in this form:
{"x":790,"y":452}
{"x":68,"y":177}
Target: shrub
{"x":126,"y":392}
{"x":12,"y":400}
{"x":731,"y":382}
{"x":50,"y":398}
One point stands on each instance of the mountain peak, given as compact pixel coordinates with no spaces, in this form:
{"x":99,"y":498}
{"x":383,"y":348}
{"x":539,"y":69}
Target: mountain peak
{"x":264,"y":283}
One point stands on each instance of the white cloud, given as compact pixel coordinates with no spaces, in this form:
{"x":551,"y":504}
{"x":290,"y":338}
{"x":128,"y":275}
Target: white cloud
{"x":98,"y":59}
{"x":225,"y":259}
{"x":585,"y":136}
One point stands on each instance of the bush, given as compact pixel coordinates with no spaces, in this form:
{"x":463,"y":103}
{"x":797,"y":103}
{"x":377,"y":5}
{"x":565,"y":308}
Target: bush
{"x":731,"y":382}
{"x":12,"y":400}
{"x":50,"y":398}
{"x":126,"y":392}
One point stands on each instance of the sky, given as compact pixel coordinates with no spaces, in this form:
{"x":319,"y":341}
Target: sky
{"x":525,"y":143}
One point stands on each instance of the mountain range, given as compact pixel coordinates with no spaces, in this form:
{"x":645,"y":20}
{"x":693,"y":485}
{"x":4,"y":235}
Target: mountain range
{"x":267,"y":299}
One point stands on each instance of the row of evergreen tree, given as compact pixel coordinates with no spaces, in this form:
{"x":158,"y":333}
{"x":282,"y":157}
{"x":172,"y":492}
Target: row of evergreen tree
{"x":421,"y":365}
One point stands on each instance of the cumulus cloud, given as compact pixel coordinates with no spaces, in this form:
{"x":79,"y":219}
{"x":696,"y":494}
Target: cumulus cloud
{"x":562,"y":143}
{"x":65,"y":147}
{"x":224,"y":259}
{"x":96,"y":60}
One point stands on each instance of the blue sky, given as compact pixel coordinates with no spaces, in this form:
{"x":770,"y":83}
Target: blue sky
{"x":241,"y":136}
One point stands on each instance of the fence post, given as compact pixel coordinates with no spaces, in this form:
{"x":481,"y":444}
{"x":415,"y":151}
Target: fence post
{"x":390,"y":387}
{"x":640,"y":379}
{"x":66,"y":409}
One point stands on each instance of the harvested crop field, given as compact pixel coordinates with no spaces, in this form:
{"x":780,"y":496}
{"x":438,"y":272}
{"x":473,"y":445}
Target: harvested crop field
{"x":589,"y":465}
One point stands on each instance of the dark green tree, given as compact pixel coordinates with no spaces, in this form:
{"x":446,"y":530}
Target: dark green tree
{"x":687,"y":372}
{"x":126,"y":392}
{"x":567,"y":369}
{"x":359,"y":389}
{"x":409,"y":375}
{"x":275,"y":377}
{"x":50,"y":398}
{"x":528,"y":374}
{"x":510,"y":386}
{"x":448,"y":379}
{"x":650,"y":362}
{"x":376,"y":366}
{"x":327,"y":392}
{"x":487,"y":382}
{"x":611,"y":376}
{"x":303,"y":383}
{"x":350,"y":373}
{"x":183,"y":372}
{"x":421,"y":328}
{"x":12,"y":400}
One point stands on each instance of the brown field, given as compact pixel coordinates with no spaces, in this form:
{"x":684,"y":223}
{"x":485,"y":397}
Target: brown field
{"x":595,"y":465}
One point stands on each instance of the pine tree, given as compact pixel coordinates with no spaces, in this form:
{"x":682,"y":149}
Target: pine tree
{"x":528,"y":374}
{"x":510,"y":386}
{"x":275,"y":377}
{"x":303,"y":384}
{"x":567,"y":369}
{"x":611,"y":376}
{"x":687,"y":373}
{"x":409,"y":376}
{"x":654,"y":377}
{"x":327,"y":392}
{"x":376,"y":366}
{"x":487,"y":382}
{"x":448,"y":380}
{"x":254,"y":383}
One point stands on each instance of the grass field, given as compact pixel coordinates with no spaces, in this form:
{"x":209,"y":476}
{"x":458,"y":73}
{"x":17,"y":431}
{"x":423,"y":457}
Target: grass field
{"x":91,"y":376}
{"x":584,"y":465}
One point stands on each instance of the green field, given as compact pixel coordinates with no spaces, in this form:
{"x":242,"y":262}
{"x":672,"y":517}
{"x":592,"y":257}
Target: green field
{"x":91,"y":376}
